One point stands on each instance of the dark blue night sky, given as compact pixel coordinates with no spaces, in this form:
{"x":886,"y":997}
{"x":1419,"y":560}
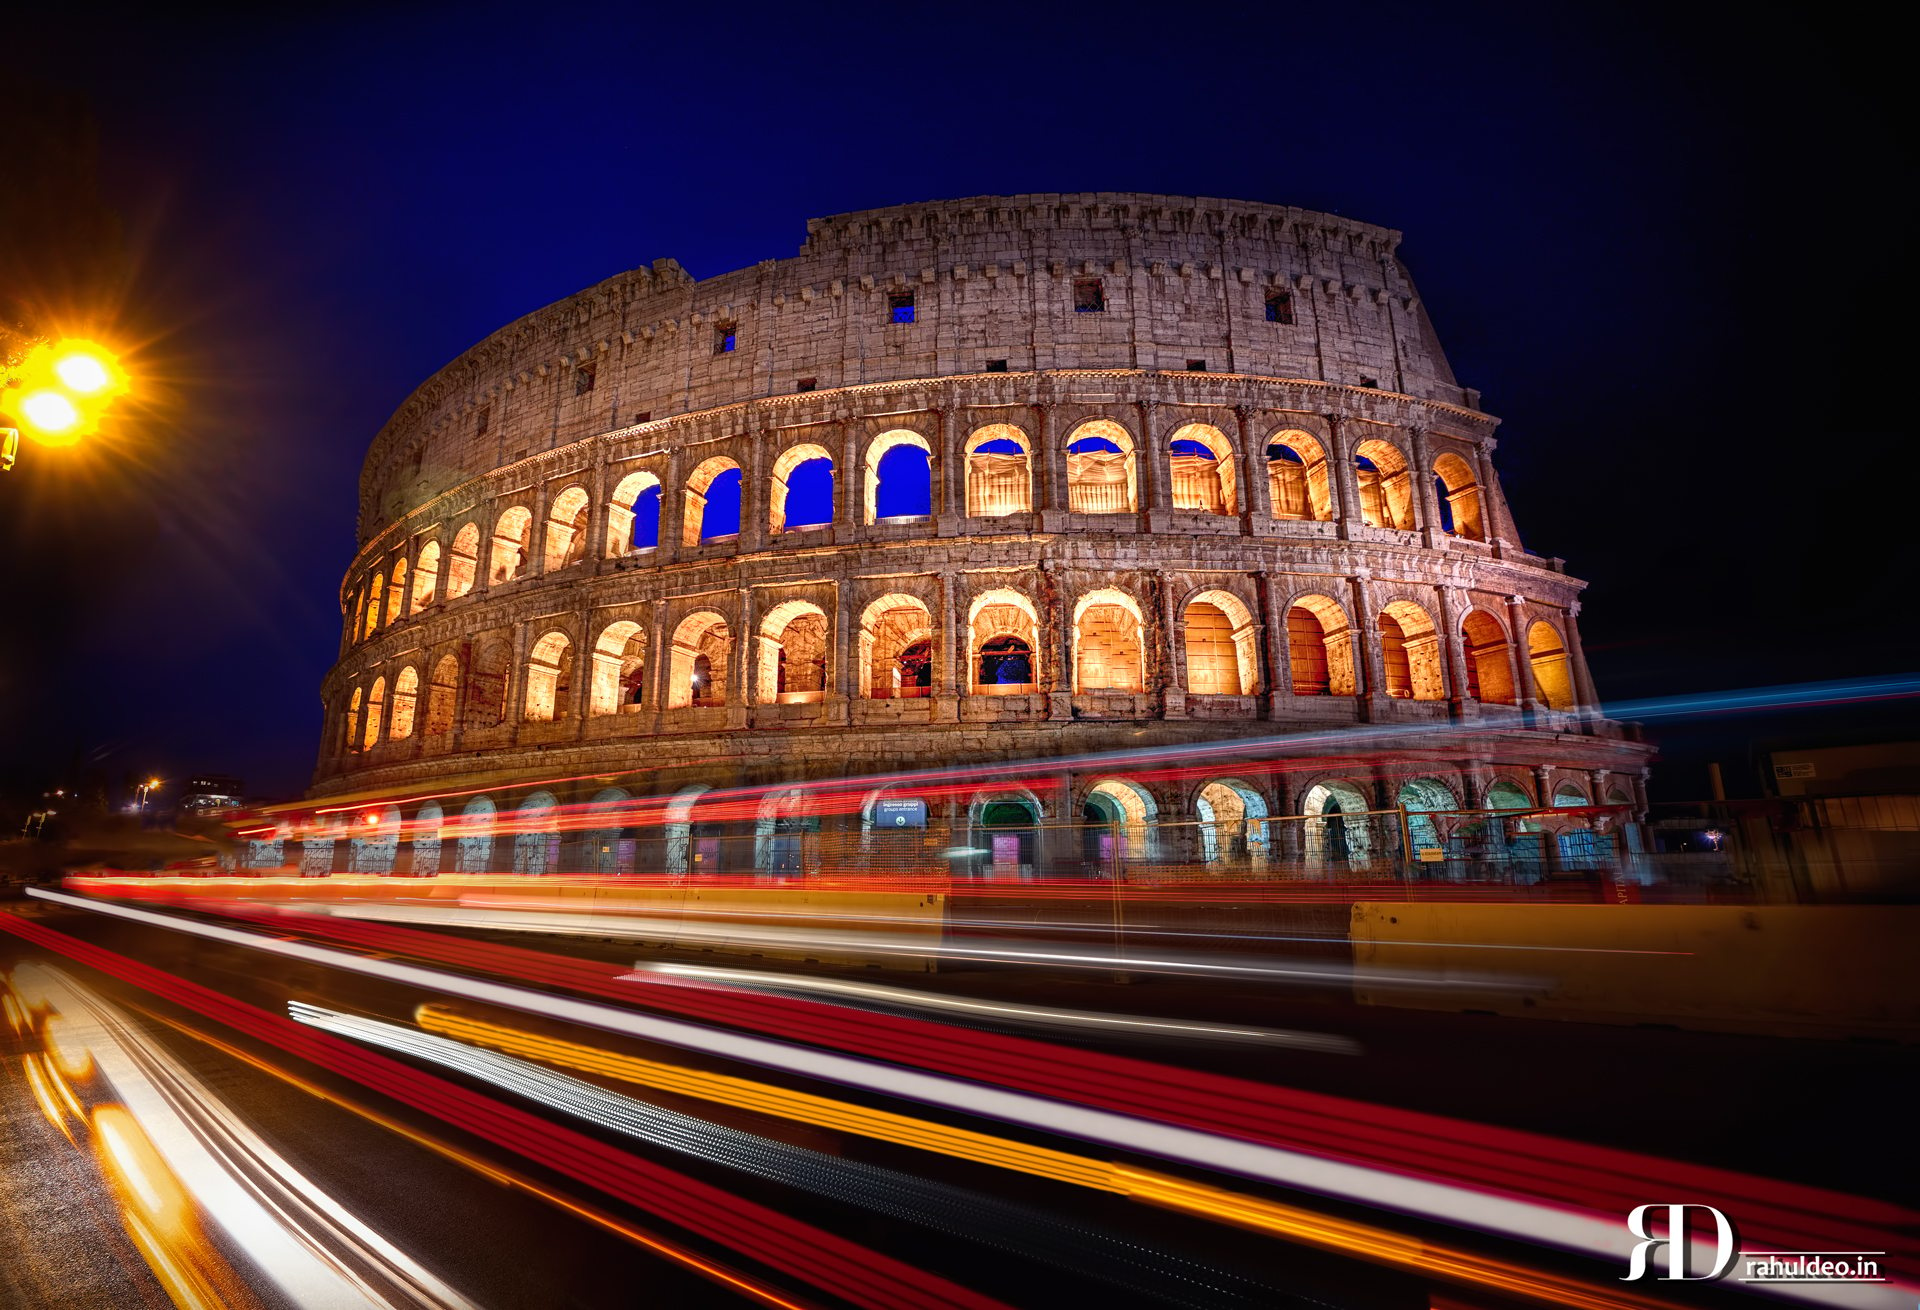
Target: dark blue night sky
{"x":1666,"y":250}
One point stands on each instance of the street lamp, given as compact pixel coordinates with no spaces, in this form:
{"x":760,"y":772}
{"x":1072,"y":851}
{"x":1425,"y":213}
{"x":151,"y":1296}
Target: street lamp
{"x":64,"y":388}
{"x":146,"y":787}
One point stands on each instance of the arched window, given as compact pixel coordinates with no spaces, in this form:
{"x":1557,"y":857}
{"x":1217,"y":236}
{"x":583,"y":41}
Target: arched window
{"x":1222,"y":642}
{"x":1339,"y":828}
{"x":475,"y":853}
{"x":1386,"y":486}
{"x":1002,"y":628}
{"x":375,"y":841}
{"x":357,"y":626}
{"x":793,"y":655}
{"x":353,"y":721}
{"x":999,"y":472}
{"x":896,"y":650}
{"x":443,"y":696}
{"x":463,"y":563}
{"x":1459,"y":497}
{"x":425,"y":841}
{"x":487,"y":683}
{"x":633,"y":515}
{"x":1410,"y":653}
{"x":618,"y":669}
{"x":712,"y":508}
{"x":1297,"y":477}
{"x":426,"y":576}
{"x":1127,"y":813}
{"x":397,"y":592}
{"x":899,"y":483}
{"x":1567,"y":795}
{"x":697,"y":661}
{"x":567,"y":529}
{"x":510,"y":545}
{"x":376,"y":707}
{"x":1101,"y":473}
{"x":1505,"y":795}
{"x":1201,"y":459}
{"x":549,"y":678}
{"x":1232,"y":818}
{"x":406,"y":690}
{"x":1106,"y":642}
{"x":800,"y":494}
{"x":536,"y":840}
{"x":1552,"y":674}
{"x":1320,"y":648}
{"x":1422,"y":798}
{"x":1489,"y":659}
{"x":376,"y":594}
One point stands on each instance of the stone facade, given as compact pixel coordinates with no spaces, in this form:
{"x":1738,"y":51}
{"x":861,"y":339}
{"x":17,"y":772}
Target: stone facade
{"x":1192,"y":471}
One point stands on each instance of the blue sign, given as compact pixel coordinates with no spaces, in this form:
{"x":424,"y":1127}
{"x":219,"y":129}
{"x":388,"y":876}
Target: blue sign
{"x":899,"y":814}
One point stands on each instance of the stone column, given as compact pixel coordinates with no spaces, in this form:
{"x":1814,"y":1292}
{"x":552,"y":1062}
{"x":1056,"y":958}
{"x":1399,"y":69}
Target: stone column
{"x":1346,"y":486}
{"x":1431,"y":533}
{"x":1155,"y":492}
{"x":516,"y":710}
{"x":582,"y":675}
{"x":1050,"y":481}
{"x":1493,"y":506}
{"x":658,"y":666}
{"x":849,"y":487}
{"x":1173,"y":653}
{"x":1256,"y":497}
{"x":1524,"y":693}
{"x":949,"y":497}
{"x":673,"y":509}
{"x":742,"y":668}
{"x":1056,"y":639}
{"x":1368,"y":661}
{"x":1451,"y":603}
{"x":1589,"y":700}
{"x":844,"y":686}
{"x":537,"y":535}
{"x":1273,"y":624}
{"x":950,"y":645}
{"x":755,"y":492}
{"x":598,"y":516}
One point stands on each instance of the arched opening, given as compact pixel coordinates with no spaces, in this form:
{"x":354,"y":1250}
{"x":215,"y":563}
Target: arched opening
{"x":1338,"y":830}
{"x":375,"y":841}
{"x":689,"y":848}
{"x":712,"y":507}
{"x":896,"y":649}
{"x":353,"y":722}
{"x":899,"y":478}
{"x":1107,"y":652}
{"x":1002,"y":629}
{"x":619,"y":658}
{"x":697,"y":661}
{"x":1507,"y":795}
{"x":1297,"y":477}
{"x":1101,"y":472}
{"x":1320,"y":648}
{"x":357,"y":626}
{"x":550,"y":679}
{"x":1002,"y":830}
{"x":609,"y":850}
{"x":426,"y":576}
{"x":443,"y":696}
{"x":792,"y":668}
{"x":406,"y":691}
{"x":633,"y":515}
{"x":780,"y":831}
{"x":1489,"y":659}
{"x":1459,"y":498}
{"x":510,"y":545}
{"x":1567,"y":795}
{"x":1201,"y":459}
{"x":1223,"y":657}
{"x":1410,"y":653}
{"x":474,"y":852}
{"x":800,"y":494}
{"x":1552,"y":674}
{"x":536,"y":838}
{"x":1386,"y":485}
{"x":397,"y":592}
{"x":999,"y":472}
{"x":376,"y":707}
{"x":487,"y":683}
{"x":567,"y":529}
{"x":463,"y":563}
{"x":425,"y":839}
{"x":1422,"y":798}
{"x":1120,"y":816}
{"x":1233,"y":824}
{"x":376,"y":592}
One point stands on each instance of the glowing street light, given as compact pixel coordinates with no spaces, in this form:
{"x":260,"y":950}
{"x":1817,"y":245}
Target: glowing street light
{"x":145,"y":788}
{"x":65,"y":387}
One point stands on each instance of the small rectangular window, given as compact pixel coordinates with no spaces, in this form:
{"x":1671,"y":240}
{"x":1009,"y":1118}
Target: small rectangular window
{"x":806,"y":384}
{"x":644,"y":416}
{"x":1280,"y":307}
{"x":480,"y":423}
{"x":1089,"y":296}
{"x":1369,"y":382}
{"x":900,"y":307}
{"x":583,"y":379}
{"x":1196,"y":366}
{"x":996,"y":366}
{"x":723,"y":338}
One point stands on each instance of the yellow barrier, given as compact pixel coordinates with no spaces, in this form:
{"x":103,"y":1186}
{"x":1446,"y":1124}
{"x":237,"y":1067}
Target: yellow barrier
{"x":1804,"y":969}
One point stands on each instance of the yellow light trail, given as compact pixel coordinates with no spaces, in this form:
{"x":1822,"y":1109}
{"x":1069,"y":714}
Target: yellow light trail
{"x":1289,"y":1223}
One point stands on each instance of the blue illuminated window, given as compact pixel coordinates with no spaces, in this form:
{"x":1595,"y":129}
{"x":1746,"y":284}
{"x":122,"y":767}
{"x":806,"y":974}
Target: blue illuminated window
{"x":1280,"y":307}
{"x":900,"y":307}
{"x":723,"y":338}
{"x":1089,"y":296}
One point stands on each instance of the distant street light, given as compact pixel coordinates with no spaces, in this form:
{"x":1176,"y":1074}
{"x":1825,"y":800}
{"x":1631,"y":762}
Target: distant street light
{"x":65,"y":387}
{"x":145,"y":788}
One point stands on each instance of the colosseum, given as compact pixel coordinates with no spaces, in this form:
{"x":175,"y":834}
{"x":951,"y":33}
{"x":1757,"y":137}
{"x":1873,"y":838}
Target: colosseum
{"x":1005,"y":479}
